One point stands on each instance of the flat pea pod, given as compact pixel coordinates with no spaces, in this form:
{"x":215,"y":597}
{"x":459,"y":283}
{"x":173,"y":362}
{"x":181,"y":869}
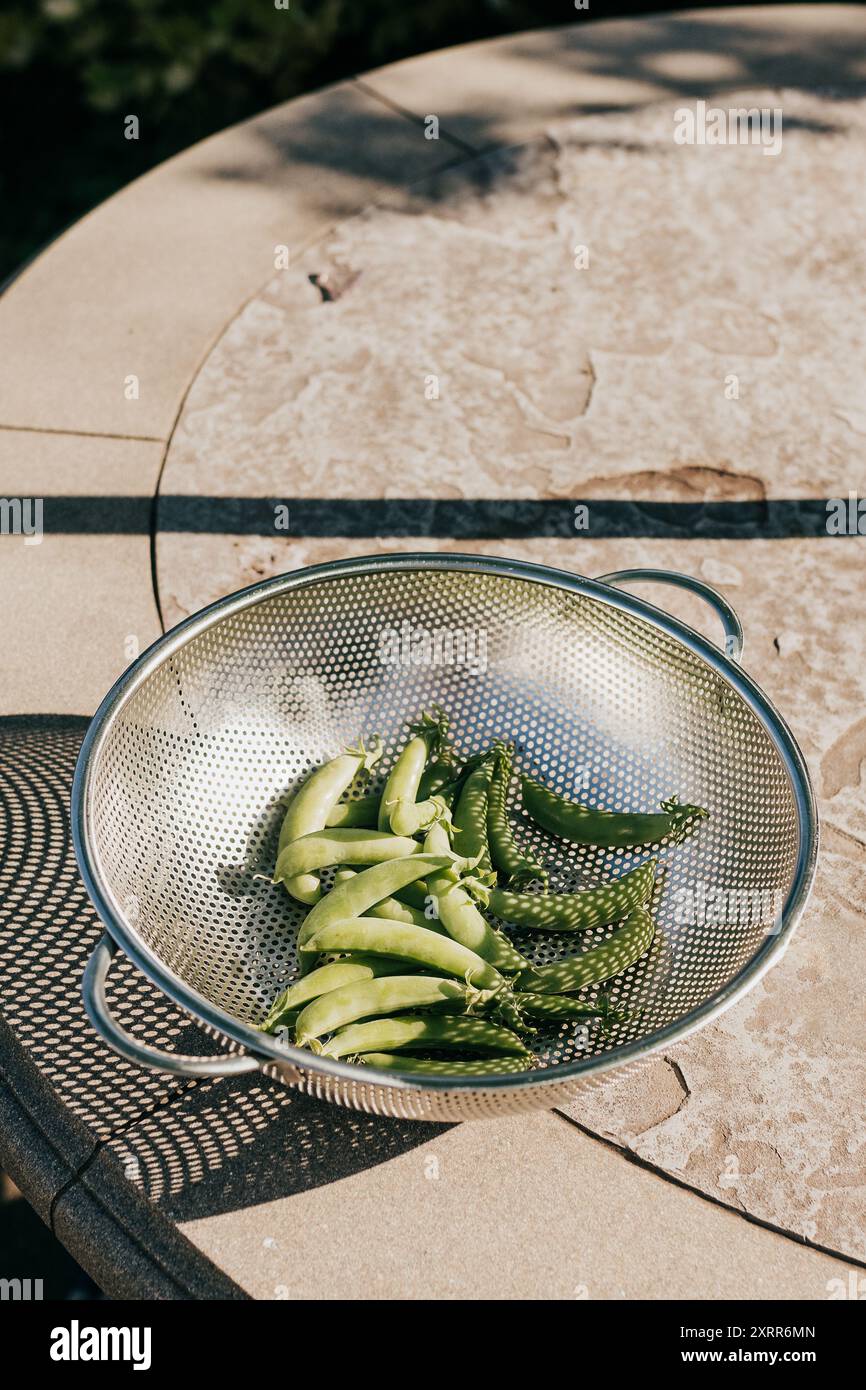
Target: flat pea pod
{"x":363,"y":812}
{"x":366,"y":998}
{"x":323,"y":848}
{"x":404,"y":1062}
{"x":427,"y":1033}
{"x":627,"y":944}
{"x":470,"y":818}
{"x":461,"y":918}
{"x":557,"y":1006}
{"x":327,"y":977}
{"x":402,"y":941}
{"x":359,"y":894}
{"x":611,"y":829}
{"x":310,"y":807}
{"x":391,"y":908}
{"x":504,"y":852}
{"x":405,"y":776}
{"x":564,"y":912}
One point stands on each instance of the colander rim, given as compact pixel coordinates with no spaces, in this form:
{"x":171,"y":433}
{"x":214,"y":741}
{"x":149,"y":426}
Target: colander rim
{"x":268,"y":1049}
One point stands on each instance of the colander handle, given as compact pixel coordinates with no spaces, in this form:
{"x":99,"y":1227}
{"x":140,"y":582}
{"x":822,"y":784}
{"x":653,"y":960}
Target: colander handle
{"x":96,"y":1004}
{"x":725,"y":613}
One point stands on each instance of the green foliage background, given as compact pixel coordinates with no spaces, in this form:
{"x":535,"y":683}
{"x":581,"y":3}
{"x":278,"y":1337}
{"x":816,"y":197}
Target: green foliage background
{"x":70,"y":70}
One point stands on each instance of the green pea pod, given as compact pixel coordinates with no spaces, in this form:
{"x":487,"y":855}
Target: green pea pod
{"x":363,"y":813}
{"x":359,"y":894}
{"x":461,"y":918}
{"x":561,"y":1006}
{"x":310,"y":807}
{"x":405,"y":776}
{"x":413,"y":817}
{"x":627,"y":944}
{"x":439,"y":778}
{"x":443,"y":1066}
{"x":504,"y":852}
{"x":323,"y":848}
{"x":391,"y":908}
{"x":470,"y":819}
{"x":563,"y":912}
{"x":427,"y":1033}
{"x":388,"y":995}
{"x":406,"y":942}
{"x":611,"y":829}
{"x":342,"y":972}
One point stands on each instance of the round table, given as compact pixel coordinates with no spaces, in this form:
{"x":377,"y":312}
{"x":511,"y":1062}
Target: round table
{"x":324,"y":333}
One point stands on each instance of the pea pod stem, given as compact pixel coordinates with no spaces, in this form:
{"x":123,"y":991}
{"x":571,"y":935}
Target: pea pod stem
{"x":627,"y":944}
{"x":383,"y":996}
{"x":504,"y":852}
{"x":565,"y":912}
{"x":584,"y":825}
{"x":322,"y":848}
{"x":310,"y":807}
{"x":404,"y":778}
{"x":405,"y":1063}
{"x":428,"y":1032}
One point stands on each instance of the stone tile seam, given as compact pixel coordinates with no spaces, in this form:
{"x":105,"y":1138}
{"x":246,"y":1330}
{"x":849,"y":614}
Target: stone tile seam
{"x":415,"y":118}
{"x":665,"y":1175}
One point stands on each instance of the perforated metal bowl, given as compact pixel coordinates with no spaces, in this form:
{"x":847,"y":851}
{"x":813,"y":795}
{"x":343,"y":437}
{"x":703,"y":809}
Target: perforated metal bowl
{"x":176,"y":801}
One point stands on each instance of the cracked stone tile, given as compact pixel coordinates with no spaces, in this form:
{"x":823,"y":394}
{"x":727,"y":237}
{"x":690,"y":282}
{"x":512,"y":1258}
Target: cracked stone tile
{"x":460,"y":351}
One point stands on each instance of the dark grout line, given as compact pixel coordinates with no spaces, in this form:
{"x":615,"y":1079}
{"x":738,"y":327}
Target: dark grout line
{"x":82,"y":434}
{"x":631,"y":1157}
{"x":414,"y":118}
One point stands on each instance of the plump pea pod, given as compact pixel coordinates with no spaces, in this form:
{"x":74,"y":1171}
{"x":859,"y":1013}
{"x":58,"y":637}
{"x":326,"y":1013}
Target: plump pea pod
{"x":461,"y":918}
{"x":402,"y":941}
{"x":590,"y":907}
{"x":363,"y":812}
{"x":310,"y":807}
{"x":506,"y":856}
{"x":341,"y":972}
{"x":325,"y":847}
{"x":470,"y":819}
{"x":391,"y":908}
{"x":359,"y":894}
{"x":405,"y":776}
{"x":413,"y":817}
{"x":586,"y":826}
{"x":443,"y":1066}
{"x":366,"y":998}
{"x":627,"y":944}
{"x":426,"y":1033}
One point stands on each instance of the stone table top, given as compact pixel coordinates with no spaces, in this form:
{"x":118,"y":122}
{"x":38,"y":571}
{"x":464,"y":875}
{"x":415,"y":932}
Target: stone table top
{"x":445,"y":345}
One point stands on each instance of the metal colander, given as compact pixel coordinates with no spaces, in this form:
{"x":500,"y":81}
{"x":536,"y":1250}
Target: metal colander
{"x":177,"y":797}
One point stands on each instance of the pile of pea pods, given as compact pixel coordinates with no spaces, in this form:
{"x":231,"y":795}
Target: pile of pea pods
{"x":400,"y":968}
